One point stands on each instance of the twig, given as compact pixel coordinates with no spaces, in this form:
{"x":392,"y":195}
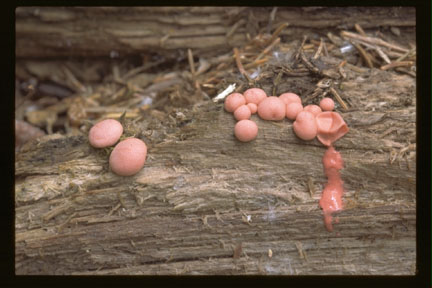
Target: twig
{"x":277,"y":81}
{"x":402,"y":70}
{"x":239,"y":64}
{"x":308,"y":64}
{"x":359,"y":29}
{"x":204,"y":65}
{"x":403,"y":57}
{"x":56,"y":211}
{"x":277,"y":32}
{"x":338,"y":98}
{"x":71,"y":77}
{"x":342,"y":64}
{"x":301,"y":47}
{"x":191,"y":62}
{"x":114,"y":209}
{"x":296,"y":73}
{"x":271,"y":19}
{"x":325,"y":49}
{"x":317,"y":43}
{"x":140,"y":69}
{"x":342,"y":73}
{"x":394,"y":54}
{"x":318,"y":52}
{"x":397,"y":64}
{"x":383,"y":55}
{"x":373,"y":40}
{"x":334,"y":39}
{"x":235,"y":27}
{"x":256,"y":63}
{"x":341,"y":70}
{"x":267,"y":49}
{"x":364,"y":55}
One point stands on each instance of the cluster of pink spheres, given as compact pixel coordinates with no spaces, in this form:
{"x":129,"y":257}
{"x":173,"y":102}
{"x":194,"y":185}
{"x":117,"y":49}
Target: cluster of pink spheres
{"x":128,"y":156}
{"x":289,"y":105}
{"x":309,"y":122}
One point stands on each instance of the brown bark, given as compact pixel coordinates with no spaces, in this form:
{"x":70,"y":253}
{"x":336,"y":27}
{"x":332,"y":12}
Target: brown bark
{"x":100,"y":31}
{"x":202,"y":193}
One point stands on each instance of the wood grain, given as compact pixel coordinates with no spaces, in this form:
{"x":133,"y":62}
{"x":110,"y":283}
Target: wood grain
{"x":201,"y":193}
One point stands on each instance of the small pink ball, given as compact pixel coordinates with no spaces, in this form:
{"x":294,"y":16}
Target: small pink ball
{"x":245,"y":130}
{"x":233,"y":101}
{"x":314,"y":109}
{"x":293,"y":109}
{"x":253,"y":107}
{"x":254,"y":95}
{"x":242,"y":113}
{"x":290,"y":97}
{"x":105,"y":133}
{"x":272,"y":108}
{"x":327,"y":104}
{"x":128,"y":157}
{"x":305,"y":126}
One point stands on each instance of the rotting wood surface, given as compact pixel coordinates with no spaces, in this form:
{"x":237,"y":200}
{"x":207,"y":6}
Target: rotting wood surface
{"x":202,"y":195}
{"x":51,"y":32}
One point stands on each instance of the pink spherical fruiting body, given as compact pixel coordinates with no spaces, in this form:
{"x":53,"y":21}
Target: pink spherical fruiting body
{"x":314,"y":109}
{"x":254,"y":95}
{"x":272,"y":108}
{"x":305,"y":126}
{"x":245,"y":130}
{"x":327,"y":104}
{"x":242,"y":113}
{"x":105,"y":133}
{"x":293,"y":109}
{"x":233,"y":101}
{"x":290,"y":98}
{"x":252,"y":107}
{"x":128,"y":157}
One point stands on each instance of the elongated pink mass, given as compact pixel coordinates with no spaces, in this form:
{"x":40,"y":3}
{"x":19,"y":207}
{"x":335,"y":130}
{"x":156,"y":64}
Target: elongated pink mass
{"x":331,"y":198}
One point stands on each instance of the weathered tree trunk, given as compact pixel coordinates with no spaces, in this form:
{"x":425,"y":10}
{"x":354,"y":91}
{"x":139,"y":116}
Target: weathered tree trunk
{"x":105,"y":31}
{"x":207,"y":204}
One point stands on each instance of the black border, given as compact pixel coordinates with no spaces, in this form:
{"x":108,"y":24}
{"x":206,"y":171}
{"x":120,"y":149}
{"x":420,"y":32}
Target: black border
{"x":422,"y":279}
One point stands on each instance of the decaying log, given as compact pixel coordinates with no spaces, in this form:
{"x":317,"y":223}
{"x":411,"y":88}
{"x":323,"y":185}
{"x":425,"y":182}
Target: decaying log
{"x":117,"y":31}
{"x":202,"y":195}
